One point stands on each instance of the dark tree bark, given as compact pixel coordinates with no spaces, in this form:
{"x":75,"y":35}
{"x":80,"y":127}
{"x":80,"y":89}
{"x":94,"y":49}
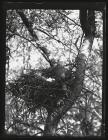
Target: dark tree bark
{"x":87,"y":21}
{"x":28,"y":24}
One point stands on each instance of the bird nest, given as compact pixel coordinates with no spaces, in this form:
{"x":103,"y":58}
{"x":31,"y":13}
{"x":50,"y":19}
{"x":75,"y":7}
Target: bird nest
{"x":37,"y":91}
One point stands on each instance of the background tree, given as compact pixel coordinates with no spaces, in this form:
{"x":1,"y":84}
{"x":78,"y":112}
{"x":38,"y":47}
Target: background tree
{"x":59,"y":91}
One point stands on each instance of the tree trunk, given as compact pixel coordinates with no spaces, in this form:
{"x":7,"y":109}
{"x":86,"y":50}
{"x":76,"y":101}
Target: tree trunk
{"x":50,"y":127}
{"x":54,"y":118}
{"x":74,"y":92}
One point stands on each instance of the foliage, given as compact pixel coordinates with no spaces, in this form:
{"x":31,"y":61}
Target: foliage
{"x":30,"y":93}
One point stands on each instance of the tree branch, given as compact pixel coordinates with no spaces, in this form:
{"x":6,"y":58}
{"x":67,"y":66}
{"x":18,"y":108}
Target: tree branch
{"x":54,"y":118}
{"x":68,"y":18}
{"x":27,"y":24}
{"x":33,"y":34}
{"x":28,"y":125}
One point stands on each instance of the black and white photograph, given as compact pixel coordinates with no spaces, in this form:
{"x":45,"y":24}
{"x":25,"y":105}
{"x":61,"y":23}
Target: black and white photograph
{"x":54,"y":71}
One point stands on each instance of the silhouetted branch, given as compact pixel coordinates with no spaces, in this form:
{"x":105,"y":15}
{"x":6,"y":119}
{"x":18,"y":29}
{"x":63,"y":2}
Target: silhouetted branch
{"x":27,"y":24}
